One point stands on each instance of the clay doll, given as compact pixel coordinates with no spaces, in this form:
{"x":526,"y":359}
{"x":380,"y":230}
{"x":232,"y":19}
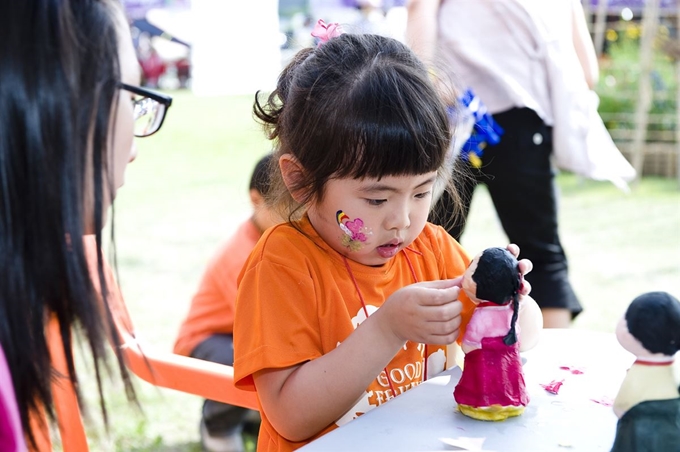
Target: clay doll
{"x":492,"y":387}
{"x":648,"y":402}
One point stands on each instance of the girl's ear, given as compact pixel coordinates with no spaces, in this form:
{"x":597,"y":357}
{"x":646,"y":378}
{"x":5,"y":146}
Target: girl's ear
{"x":293,"y":174}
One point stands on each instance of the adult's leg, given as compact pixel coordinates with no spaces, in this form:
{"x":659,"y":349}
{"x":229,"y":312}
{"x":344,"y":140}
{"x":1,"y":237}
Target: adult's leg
{"x":522,"y":187}
{"x":220,"y":419}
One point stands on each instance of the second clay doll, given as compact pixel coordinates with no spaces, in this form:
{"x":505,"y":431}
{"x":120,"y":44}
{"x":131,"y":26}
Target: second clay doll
{"x":648,"y":401}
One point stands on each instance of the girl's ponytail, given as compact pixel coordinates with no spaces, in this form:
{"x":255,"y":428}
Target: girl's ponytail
{"x":269,"y":112}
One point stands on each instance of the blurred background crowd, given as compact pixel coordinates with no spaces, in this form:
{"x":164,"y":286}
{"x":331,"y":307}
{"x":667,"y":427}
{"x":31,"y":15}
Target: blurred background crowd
{"x":214,"y":47}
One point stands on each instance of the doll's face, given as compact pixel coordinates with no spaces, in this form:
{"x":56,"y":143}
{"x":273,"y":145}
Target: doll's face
{"x":469,"y":284}
{"x":629,"y":342}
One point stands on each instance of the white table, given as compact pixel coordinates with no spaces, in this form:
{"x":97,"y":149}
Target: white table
{"x":571,"y":420}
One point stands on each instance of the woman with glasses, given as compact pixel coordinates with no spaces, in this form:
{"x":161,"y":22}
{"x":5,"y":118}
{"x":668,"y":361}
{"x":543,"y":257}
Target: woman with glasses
{"x":69,"y":108}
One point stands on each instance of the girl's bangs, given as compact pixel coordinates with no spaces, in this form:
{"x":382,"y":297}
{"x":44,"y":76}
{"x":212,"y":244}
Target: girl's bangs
{"x":390,"y":140}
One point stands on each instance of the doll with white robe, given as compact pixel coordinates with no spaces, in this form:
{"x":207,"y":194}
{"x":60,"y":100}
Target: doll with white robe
{"x":648,"y":401}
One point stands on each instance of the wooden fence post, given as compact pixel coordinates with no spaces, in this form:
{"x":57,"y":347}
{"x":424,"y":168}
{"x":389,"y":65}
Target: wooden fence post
{"x":650,"y":23}
{"x":600,"y":26}
{"x":677,"y":102}
{"x":588,"y":12}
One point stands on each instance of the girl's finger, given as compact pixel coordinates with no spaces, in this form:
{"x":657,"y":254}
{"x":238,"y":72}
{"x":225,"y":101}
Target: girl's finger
{"x":441,"y":283}
{"x":526,"y":288}
{"x":514,"y":249}
{"x":525,"y":266}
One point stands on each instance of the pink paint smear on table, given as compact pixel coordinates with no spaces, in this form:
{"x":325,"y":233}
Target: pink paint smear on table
{"x":576,"y":370}
{"x":553,"y":387}
{"x":604,"y":400}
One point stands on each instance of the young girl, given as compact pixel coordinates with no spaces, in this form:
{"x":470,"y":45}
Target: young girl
{"x":345,"y":306}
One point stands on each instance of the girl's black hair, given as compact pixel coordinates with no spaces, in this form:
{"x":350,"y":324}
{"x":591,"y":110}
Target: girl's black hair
{"x":498,"y":280}
{"x":356,"y":106}
{"x":58,"y":88}
{"x":653,"y":319}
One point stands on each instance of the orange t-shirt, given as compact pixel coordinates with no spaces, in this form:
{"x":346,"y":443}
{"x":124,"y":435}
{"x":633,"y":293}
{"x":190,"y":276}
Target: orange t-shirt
{"x":297,"y":302}
{"x":212,"y":308}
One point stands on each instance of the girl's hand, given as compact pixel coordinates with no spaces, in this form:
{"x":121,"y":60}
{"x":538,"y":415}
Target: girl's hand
{"x":530,"y":319}
{"x":525,"y":266}
{"x":328,"y":386}
{"x":426,"y":312}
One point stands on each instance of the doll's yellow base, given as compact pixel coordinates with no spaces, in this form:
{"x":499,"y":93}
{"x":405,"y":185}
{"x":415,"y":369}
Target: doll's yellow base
{"x":491,"y":413}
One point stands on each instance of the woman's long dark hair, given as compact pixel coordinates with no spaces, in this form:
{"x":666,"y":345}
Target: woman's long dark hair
{"x":59,"y":72}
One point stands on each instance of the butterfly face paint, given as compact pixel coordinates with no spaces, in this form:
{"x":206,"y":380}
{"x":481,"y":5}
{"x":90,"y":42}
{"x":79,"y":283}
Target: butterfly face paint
{"x":355,"y":232}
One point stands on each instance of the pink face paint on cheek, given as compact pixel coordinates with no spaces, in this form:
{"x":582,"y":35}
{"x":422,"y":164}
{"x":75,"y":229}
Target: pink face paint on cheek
{"x":355,"y":234}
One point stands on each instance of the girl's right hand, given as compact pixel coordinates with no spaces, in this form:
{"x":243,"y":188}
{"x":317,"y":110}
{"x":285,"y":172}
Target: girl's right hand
{"x":426,"y":312}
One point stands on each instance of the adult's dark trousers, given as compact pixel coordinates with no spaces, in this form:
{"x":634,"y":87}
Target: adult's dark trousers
{"x":521,"y":181}
{"x":220,"y":419}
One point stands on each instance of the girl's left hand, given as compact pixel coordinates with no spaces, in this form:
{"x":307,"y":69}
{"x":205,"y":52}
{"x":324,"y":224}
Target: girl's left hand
{"x":525,"y":266}
{"x":530,"y":317}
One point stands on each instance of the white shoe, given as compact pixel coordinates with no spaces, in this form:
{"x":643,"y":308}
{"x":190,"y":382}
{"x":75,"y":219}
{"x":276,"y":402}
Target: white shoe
{"x":230,"y":443}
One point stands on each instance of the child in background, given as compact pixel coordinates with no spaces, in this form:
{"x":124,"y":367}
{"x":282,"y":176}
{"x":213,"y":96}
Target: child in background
{"x":206,"y":333}
{"x":352,"y":301}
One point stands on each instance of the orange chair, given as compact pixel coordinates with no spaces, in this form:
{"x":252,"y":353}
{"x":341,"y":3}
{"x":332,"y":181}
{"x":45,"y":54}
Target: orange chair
{"x":168,"y":370}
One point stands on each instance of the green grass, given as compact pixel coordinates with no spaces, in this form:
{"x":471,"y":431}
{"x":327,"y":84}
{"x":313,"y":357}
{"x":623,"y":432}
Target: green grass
{"x":619,"y":245}
{"x":187,"y":191}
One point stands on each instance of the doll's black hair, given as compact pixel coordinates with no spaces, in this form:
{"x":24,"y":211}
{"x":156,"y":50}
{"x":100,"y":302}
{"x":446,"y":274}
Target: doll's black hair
{"x":498,"y":280}
{"x":653,"y":318}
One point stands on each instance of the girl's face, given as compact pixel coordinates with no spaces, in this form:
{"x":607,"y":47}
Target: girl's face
{"x":370,"y":220}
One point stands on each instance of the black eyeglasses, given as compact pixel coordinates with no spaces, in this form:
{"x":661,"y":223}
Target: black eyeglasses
{"x":149,"y":109}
